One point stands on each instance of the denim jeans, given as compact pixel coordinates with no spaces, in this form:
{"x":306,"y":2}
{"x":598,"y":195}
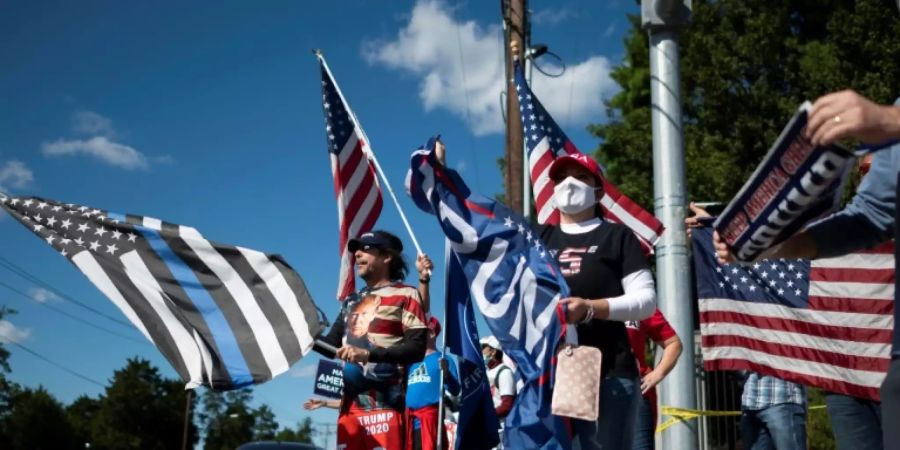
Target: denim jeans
{"x":890,"y":404}
{"x":778,"y":427}
{"x":856,"y":422}
{"x":644,"y":427}
{"x":618,"y":410}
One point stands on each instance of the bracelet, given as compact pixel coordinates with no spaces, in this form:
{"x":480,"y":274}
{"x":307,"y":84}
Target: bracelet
{"x":425,"y":280}
{"x":590,"y":314}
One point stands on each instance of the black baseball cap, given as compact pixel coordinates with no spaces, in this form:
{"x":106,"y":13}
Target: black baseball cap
{"x":375,"y":239}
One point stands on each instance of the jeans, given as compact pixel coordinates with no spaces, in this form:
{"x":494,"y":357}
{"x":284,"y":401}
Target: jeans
{"x":890,"y":404}
{"x":618,"y":410}
{"x":778,"y":427}
{"x":644,"y":427}
{"x":856,"y":422}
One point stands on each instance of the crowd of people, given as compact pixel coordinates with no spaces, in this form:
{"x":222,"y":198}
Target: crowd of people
{"x":385,"y":335}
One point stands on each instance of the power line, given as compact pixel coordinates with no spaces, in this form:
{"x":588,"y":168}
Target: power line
{"x":59,"y":366}
{"x":76,"y":318}
{"x":12,"y":267}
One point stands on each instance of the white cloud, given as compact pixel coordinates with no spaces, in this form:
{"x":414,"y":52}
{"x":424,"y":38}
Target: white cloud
{"x":15,"y":174}
{"x":91,"y":123}
{"x":10,"y":333}
{"x":303,"y":371}
{"x":428,"y":48}
{"x":42,"y":295}
{"x":552,"y":16}
{"x":99,"y":147}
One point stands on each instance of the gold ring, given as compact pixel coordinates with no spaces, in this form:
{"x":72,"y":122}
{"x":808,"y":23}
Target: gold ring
{"x":837,"y":119}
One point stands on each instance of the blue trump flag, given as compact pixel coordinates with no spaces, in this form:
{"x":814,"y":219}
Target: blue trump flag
{"x":477,"y":426}
{"x":515,"y":283}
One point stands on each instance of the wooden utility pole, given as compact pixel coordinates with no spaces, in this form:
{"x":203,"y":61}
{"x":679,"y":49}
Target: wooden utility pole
{"x":515,"y":25}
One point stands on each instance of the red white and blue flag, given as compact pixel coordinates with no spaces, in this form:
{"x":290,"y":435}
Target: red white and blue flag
{"x":545,"y":141}
{"x":513,"y":280}
{"x":826,"y":323}
{"x":356,"y":187}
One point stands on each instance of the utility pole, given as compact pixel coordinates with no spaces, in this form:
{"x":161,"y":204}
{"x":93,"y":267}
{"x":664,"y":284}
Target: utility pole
{"x":187,"y":418}
{"x":515,"y":26}
{"x":663,"y":19}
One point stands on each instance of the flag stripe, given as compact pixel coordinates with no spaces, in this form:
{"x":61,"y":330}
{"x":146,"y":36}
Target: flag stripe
{"x":260,"y":328}
{"x":216,"y":317}
{"x":885,"y":276}
{"x":853,"y":290}
{"x":858,"y":377}
{"x":177,"y":295}
{"x":728,"y":330}
{"x":839,"y":386}
{"x":181,"y":340}
{"x":856,"y":260}
{"x":289,"y":304}
{"x":852,"y":305}
{"x":848,"y":320}
{"x":810,"y":328}
{"x":310,"y":313}
{"x":268,"y":305}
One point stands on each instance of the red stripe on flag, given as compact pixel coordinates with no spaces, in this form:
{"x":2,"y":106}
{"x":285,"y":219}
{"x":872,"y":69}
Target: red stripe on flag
{"x":851,"y":305}
{"x":849,"y":274}
{"x":863,"y":335}
{"x":803,"y":353}
{"x":828,"y":384}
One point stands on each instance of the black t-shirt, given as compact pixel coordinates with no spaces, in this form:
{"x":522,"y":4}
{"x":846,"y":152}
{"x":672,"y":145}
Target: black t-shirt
{"x":593,"y":265}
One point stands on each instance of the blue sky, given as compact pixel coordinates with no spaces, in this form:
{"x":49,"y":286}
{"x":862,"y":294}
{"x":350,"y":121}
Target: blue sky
{"x":209,"y":115}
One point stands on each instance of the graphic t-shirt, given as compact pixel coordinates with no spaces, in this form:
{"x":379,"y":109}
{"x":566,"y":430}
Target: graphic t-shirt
{"x":593,"y":264}
{"x":378,"y":318}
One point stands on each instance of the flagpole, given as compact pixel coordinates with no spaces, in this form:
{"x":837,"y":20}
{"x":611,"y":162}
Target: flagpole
{"x":440,"y":430}
{"x":367,"y":149}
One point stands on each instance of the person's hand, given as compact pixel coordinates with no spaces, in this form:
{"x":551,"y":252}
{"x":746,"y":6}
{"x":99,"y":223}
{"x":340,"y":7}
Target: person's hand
{"x":846,"y":114}
{"x":444,"y":365}
{"x":313,"y":403}
{"x":694,"y":221}
{"x":723,"y":253}
{"x":440,"y":152}
{"x":578,"y":309}
{"x":650,"y":380}
{"x":424,"y":267}
{"x":350,"y":353}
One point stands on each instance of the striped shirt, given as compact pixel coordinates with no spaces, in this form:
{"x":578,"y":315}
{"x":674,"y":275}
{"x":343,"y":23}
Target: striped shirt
{"x":762,"y":391}
{"x":376,"y":318}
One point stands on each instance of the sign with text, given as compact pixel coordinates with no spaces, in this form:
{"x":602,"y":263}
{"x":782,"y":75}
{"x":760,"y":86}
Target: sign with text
{"x":795,"y":184}
{"x":329,"y":379}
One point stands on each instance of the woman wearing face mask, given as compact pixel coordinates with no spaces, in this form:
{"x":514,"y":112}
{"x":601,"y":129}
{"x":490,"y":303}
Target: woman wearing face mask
{"x":610,"y":281}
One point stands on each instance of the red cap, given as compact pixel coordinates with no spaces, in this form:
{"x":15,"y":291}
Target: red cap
{"x":434,"y":325}
{"x":579,"y":159}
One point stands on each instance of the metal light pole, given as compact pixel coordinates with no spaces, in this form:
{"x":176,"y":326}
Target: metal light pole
{"x":663,"y":19}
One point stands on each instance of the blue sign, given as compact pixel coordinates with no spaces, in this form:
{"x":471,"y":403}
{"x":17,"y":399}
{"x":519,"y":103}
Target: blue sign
{"x":796,"y":183}
{"x":329,"y":379}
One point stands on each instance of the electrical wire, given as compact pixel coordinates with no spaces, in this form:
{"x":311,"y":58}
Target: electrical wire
{"x":58,"y":365}
{"x":76,"y":318}
{"x":15,"y":269}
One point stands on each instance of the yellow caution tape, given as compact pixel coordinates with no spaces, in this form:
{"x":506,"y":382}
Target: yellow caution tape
{"x":684,"y":414}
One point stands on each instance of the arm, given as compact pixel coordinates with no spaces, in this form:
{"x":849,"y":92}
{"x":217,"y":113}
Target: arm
{"x":671,"y":352}
{"x":424,"y":267}
{"x":451,"y":377}
{"x":409,"y":350}
{"x":316,"y":403}
{"x":334,"y":337}
{"x":506,"y":384}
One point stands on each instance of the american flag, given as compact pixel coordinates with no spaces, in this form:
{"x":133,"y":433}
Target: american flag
{"x":512,"y":279}
{"x":223,"y":316}
{"x":826,"y":323}
{"x":546,"y":141}
{"x":356,"y":187}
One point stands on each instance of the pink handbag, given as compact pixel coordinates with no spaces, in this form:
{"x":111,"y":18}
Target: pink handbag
{"x":576,"y":392}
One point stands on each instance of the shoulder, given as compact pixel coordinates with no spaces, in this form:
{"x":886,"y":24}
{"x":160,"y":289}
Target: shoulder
{"x":399,"y":290}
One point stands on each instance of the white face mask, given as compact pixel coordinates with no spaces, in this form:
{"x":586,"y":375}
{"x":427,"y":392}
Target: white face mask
{"x":572,"y":196}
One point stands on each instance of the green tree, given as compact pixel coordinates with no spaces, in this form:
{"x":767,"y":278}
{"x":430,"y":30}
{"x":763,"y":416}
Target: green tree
{"x":745,"y":67}
{"x":37,"y":421}
{"x":303,"y":433}
{"x":141,"y":409}
{"x":228,"y":419}
{"x":264,"y":426}
{"x":81,"y":415}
